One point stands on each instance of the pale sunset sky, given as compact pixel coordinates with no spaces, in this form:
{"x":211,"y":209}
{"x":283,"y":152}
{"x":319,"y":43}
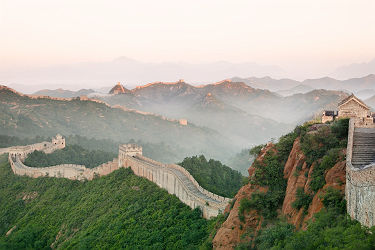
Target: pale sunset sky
{"x":296,"y":35}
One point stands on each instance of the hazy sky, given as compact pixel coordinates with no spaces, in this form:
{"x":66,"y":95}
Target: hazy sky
{"x":297,"y":35}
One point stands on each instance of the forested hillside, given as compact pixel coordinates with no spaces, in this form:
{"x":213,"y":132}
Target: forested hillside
{"x":115,"y":211}
{"x":27,"y":117}
{"x":213,"y":175}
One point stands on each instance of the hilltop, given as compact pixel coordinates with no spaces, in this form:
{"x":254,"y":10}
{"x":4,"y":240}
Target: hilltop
{"x":63,"y":93}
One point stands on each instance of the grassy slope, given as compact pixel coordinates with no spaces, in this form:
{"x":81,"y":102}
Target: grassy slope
{"x":117,"y":210}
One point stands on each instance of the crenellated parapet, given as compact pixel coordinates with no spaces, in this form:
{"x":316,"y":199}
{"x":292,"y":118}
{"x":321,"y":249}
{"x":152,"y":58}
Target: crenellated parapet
{"x":17,"y":154}
{"x":178,"y":181}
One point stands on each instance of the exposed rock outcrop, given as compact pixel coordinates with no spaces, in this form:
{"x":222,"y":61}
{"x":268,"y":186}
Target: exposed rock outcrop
{"x":230,"y":232}
{"x":298,"y":175}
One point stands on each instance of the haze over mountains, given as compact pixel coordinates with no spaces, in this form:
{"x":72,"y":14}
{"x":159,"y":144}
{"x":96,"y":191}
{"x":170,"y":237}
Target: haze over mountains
{"x":133,"y":72}
{"x":223,"y":117}
{"x":356,"y":85}
{"x":28,"y":117}
{"x":130,"y":71}
{"x":246,"y":115}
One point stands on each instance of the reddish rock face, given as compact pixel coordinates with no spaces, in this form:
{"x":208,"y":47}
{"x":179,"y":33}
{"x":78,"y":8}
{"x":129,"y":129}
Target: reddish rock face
{"x":228,"y":235}
{"x":298,"y":175}
{"x":294,"y":170}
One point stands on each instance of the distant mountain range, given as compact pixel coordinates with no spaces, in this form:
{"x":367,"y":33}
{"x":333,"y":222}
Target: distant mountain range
{"x":27,"y":116}
{"x":299,"y":89}
{"x":355,"y":70}
{"x":246,"y":115}
{"x":130,"y":71}
{"x":363,"y":87}
{"x":355,"y":85}
{"x":371,"y":102}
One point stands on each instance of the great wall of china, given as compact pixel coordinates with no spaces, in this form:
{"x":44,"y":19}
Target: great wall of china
{"x":360,"y":167}
{"x":360,"y":173}
{"x":175,"y":179}
{"x":360,"y":158}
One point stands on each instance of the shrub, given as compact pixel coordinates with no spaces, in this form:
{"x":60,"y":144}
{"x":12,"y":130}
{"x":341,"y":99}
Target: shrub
{"x":265,"y":203}
{"x":245,"y":204}
{"x":303,"y":200}
{"x":274,"y":236}
{"x":213,"y":175}
{"x":255,"y":151}
{"x":315,"y":145}
{"x":327,"y":162}
{"x":333,"y":198}
{"x":340,"y":128}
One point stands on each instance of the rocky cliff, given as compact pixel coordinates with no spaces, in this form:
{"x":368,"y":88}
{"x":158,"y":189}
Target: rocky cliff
{"x":298,"y":175}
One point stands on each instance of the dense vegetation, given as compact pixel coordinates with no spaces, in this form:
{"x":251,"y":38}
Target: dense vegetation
{"x":71,"y":154}
{"x":324,"y":148}
{"x":213,"y":175}
{"x":115,"y":211}
{"x":321,"y":147}
{"x":331,"y":228}
{"x":271,"y":176}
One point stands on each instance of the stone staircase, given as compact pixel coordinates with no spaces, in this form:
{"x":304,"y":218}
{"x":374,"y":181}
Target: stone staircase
{"x":363,"y":147}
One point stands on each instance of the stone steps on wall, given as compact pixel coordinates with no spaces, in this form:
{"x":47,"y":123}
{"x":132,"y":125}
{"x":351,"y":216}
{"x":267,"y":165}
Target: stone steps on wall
{"x":363,"y":147}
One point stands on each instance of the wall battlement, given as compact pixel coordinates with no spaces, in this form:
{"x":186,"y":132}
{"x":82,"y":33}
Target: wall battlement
{"x":175,"y":179}
{"x":178,"y":181}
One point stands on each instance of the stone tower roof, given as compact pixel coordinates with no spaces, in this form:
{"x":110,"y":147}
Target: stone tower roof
{"x":353,"y":97}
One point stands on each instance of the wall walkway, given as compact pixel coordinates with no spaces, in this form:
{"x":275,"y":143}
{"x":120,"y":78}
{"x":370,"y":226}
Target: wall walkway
{"x":178,"y":181}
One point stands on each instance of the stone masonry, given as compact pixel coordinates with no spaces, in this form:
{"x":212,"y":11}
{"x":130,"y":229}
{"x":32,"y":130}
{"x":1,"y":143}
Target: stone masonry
{"x":360,"y":174}
{"x":175,"y":179}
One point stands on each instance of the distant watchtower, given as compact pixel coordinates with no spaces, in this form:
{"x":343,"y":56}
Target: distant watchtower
{"x":128,"y":150}
{"x":58,"y":141}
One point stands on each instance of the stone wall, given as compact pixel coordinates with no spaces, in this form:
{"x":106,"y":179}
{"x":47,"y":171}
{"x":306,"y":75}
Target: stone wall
{"x":48,"y":147}
{"x":69,"y":171}
{"x":18,"y":154}
{"x":360,"y":186}
{"x":364,"y":122}
{"x":353,"y":109}
{"x":176,"y":180}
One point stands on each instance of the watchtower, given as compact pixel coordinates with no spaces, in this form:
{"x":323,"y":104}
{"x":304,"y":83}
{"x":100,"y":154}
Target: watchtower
{"x":129,"y":150}
{"x":58,"y":141}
